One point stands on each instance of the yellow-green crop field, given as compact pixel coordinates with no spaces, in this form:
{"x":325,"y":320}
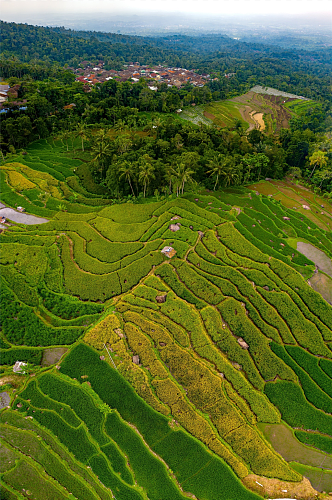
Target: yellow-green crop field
{"x":165,"y":369}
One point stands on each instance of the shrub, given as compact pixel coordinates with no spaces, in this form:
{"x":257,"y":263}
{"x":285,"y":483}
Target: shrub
{"x":10,"y":356}
{"x":19,"y":286}
{"x":67,"y":307}
{"x":21,"y":326}
{"x":326,"y":366}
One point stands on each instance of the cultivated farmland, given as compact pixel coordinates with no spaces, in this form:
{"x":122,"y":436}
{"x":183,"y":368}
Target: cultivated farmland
{"x":176,"y":364}
{"x":261,"y":108}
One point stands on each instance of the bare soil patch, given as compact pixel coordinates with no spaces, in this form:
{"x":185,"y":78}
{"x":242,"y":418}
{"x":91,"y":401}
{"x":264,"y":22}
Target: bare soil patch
{"x":208,"y":115}
{"x":323,"y":285}
{"x":285,"y":443}
{"x":258,"y":117}
{"x":53,"y":355}
{"x":4,"y":400}
{"x":322,"y":261}
{"x":273,"y":487}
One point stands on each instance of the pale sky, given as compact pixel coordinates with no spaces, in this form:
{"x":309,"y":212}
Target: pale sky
{"x":15,"y":10}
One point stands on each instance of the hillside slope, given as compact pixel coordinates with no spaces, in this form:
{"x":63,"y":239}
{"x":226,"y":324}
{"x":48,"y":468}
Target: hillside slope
{"x":175,"y":364}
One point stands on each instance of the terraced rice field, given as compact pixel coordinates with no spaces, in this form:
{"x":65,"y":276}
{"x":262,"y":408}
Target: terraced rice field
{"x":268,"y":111}
{"x":170,"y":367}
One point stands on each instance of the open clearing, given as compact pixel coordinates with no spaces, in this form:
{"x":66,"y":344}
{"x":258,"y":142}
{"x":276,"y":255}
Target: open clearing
{"x":261,"y":108}
{"x":285,"y":443}
{"x":321,"y":260}
{"x":323,"y":285}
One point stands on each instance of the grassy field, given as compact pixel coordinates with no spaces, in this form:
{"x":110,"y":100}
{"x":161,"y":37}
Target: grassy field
{"x":149,"y":377}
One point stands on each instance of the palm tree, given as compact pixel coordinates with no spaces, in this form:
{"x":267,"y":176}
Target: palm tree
{"x":184,"y":174}
{"x":231,"y":174}
{"x":318,"y":158}
{"x":217,"y":165}
{"x":81,"y":131}
{"x":43,"y":197}
{"x":120,"y":126}
{"x":101,"y":150}
{"x":325,"y":175}
{"x":65,"y":136}
{"x":146,"y":172}
{"x":127,"y":170}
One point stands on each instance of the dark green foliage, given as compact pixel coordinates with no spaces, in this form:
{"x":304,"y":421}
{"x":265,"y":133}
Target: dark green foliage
{"x":81,"y":403}
{"x":21,"y":326}
{"x":67,"y":307}
{"x":149,"y":471}
{"x":10,"y":356}
{"x":118,"y":461}
{"x":326,"y":366}
{"x":19,"y":286}
{"x":76,"y":440}
{"x":4,"y":344}
{"x":102,"y":469}
{"x":33,"y":394}
{"x":288,"y":397}
{"x":323,"y":443}
{"x":313,"y":393}
{"x":312,"y":366}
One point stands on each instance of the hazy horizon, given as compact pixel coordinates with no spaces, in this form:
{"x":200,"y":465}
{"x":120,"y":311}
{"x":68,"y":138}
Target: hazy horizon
{"x":209,"y":12}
